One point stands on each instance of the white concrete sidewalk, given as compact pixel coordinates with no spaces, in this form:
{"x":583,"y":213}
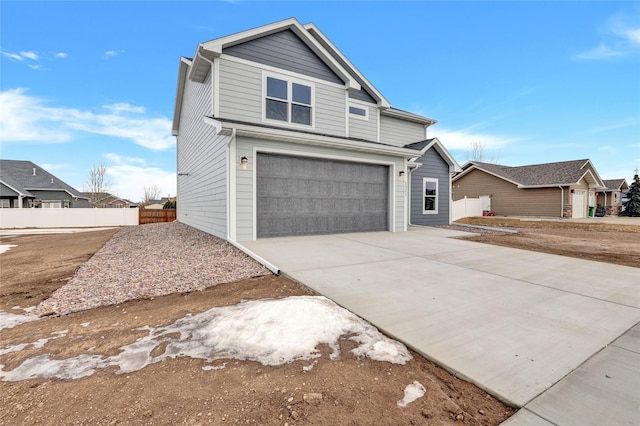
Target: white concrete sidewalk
{"x":514,"y":322}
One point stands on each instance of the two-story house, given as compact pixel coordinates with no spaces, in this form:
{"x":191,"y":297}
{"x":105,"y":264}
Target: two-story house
{"x":278,"y":133}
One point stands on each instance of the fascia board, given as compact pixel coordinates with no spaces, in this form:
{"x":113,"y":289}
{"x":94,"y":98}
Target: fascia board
{"x":58,"y":190}
{"x":408,"y":116}
{"x":440,"y":149}
{"x":475,"y":167}
{"x":177,"y":107}
{"x":317,"y":140}
{"x":319,"y":35}
{"x":594,"y":173}
{"x":15,"y":190}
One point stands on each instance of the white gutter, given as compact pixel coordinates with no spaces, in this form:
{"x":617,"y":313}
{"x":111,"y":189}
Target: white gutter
{"x":273,"y":268}
{"x":212,"y":68}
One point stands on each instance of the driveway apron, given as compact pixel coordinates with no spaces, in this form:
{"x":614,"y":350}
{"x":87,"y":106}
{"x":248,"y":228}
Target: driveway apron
{"x":513,"y":322}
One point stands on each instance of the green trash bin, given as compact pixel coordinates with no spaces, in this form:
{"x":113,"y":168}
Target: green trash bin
{"x":591,"y":209}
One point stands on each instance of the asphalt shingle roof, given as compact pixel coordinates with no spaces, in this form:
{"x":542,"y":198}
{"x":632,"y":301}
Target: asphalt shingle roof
{"x":548,"y":174}
{"x":20,"y":176}
{"x":613,"y":184}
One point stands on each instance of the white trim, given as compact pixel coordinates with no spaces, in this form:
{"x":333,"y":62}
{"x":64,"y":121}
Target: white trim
{"x":215,"y":87}
{"x":424,"y":181}
{"x":346,"y":115}
{"x":290,"y":81}
{"x":232,"y":188}
{"x":361,"y":106}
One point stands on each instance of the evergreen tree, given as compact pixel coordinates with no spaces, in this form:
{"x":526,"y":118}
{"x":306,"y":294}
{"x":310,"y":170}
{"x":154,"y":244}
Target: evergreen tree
{"x":632,"y":206}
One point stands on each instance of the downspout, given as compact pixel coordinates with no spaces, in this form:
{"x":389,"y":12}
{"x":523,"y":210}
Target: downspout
{"x":561,"y":200}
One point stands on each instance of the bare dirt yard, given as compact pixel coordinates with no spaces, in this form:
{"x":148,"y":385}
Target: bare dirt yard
{"x":617,"y":243}
{"x":45,"y":373}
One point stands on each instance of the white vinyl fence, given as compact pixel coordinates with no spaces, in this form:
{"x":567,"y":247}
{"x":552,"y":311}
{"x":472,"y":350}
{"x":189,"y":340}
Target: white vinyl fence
{"x":466,"y":207}
{"x":67,"y":218}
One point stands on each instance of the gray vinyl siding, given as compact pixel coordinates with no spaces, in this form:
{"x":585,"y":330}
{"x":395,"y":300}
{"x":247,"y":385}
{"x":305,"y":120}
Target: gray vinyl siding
{"x":433,"y":166}
{"x":59,"y":196}
{"x":364,"y":129}
{"x":6,"y":191}
{"x":202,"y":193}
{"x":286,"y":51}
{"x":506,"y":198}
{"x":398,"y":132}
{"x":362,"y":95}
{"x":245,"y":178}
{"x":241,"y":98}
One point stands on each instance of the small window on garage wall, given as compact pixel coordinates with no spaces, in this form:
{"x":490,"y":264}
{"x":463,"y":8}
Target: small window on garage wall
{"x":430,"y":195}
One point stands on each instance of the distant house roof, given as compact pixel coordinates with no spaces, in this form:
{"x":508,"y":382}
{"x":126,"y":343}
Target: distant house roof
{"x":562,"y":173}
{"x":107,"y":198}
{"x":616,"y":184}
{"x":25,"y":176}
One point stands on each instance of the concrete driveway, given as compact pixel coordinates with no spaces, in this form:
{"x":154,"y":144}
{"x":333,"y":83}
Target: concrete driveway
{"x":537,"y":331}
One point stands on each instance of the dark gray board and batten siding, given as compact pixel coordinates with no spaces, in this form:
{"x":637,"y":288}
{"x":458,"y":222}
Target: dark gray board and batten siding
{"x":311,"y":196}
{"x":433,"y":166}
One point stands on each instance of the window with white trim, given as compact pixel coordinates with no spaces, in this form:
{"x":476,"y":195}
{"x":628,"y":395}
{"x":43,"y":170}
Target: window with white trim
{"x":357,"y":111}
{"x":430,"y":195}
{"x":288,"y":101}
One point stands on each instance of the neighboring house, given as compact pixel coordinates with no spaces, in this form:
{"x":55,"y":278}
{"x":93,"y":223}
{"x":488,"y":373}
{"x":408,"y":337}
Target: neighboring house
{"x":104,"y":200}
{"x":158,"y":204}
{"x":563,"y":189}
{"x":612,"y":196}
{"x":24,"y":184}
{"x":278,"y":133}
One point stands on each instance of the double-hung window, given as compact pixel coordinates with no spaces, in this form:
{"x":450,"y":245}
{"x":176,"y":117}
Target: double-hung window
{"x":430,"y":194}
{"x":288,"y":101}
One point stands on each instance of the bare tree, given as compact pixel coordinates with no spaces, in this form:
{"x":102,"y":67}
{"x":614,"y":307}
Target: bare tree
{"x":97,"y":184}
{"x":150,"y":193}
{"x":476,"y":152}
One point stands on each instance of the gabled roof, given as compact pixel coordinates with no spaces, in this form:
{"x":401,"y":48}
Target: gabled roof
{"x":562,"y":173}
{"x":616,"y":184}
{"x":107,"y":198}
{"x":427,"y":144}
{"x":25,"y":176}
{"x":213,"y":48}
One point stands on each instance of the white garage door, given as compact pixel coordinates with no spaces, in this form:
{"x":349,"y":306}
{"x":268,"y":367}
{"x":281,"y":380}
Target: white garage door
{"x":310,"y":196}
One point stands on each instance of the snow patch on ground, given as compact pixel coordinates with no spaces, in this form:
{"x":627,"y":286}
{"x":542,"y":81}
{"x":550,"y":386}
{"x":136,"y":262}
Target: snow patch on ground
{"x":8,"y":320}
{"x":271,"y":331}
{"x":412,"y":392}
{"x":6,"y":247}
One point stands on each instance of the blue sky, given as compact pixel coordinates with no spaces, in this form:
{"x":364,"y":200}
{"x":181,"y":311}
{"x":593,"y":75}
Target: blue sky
{"x":88,"y":82}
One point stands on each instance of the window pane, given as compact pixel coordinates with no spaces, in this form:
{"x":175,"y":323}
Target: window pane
{"x":277,"y":110}
{"x":301,"y":94}
{"x":429,"y":203}
{"x":300,"y":114}
{"x":276,"y":88}
{"x":430,"y":188}
{"x":357,"y":111}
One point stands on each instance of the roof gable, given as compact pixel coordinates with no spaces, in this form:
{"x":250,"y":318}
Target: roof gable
{"x":23,"y":176}
{"x":436,"y":145}
{"x":616,"y":184}
{"x":562,"y":173}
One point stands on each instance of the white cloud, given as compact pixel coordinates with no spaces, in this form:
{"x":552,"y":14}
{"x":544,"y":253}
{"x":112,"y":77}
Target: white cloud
{"x":14,"y":56}
{"x":35,"y":67}
{"x":463,"y":139}
{"x":30,"y":55}
{"x":61,"y":55}
{"x":110,"y":53}
{"x":622,"y":39}
{"x":115,"y":158}
{"x":128,"y":180}
{"x":25,"y":118}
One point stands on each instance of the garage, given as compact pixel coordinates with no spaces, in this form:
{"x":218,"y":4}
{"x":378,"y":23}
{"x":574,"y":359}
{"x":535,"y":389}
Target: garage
{"x":312,"y":196}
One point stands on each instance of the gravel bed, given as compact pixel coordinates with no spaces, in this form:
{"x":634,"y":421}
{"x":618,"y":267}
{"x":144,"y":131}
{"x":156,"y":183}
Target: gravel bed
{"x":151,"y":260}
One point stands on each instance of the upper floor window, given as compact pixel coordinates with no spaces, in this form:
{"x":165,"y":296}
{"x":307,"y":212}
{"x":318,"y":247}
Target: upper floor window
{"x":357,"y":111}
{"x":288,"y":101}
{"x":430,"y":193}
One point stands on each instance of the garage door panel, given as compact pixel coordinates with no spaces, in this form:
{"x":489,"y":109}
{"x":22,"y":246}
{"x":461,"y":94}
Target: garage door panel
{"x":308,"y":196}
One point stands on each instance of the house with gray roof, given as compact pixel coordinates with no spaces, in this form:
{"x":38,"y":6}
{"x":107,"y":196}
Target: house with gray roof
{"x":561,"y":189}
{"x":279,"y":134}
{"x":611,"y":196}
{"x":24,"y":184}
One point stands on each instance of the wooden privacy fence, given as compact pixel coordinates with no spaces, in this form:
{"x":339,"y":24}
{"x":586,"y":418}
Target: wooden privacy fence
{"x":156,"y":215}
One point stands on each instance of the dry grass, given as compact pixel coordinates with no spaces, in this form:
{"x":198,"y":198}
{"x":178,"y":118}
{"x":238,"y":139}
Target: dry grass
{"x":548,"y":224}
